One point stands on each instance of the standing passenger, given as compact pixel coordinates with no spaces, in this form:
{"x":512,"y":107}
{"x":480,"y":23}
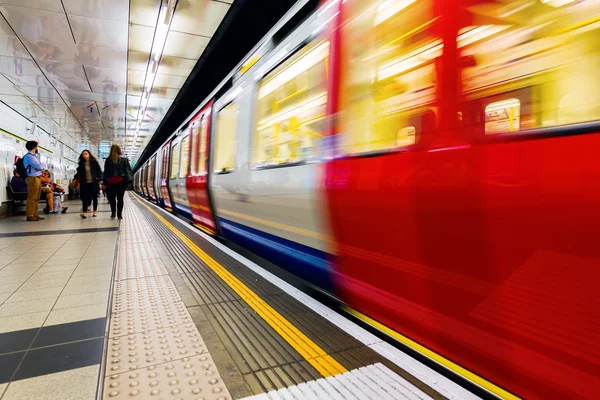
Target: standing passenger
{"x":34,"y":169}
{"x":117,"y":175}
{"x":89,"y":174}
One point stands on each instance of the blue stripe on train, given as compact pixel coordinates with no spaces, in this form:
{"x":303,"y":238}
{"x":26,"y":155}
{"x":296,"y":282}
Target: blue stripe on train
{"x":183,"y":210}
{"x":303,"y":261}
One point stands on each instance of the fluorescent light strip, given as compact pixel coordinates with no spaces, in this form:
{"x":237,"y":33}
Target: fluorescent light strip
{"x":158,"y":45}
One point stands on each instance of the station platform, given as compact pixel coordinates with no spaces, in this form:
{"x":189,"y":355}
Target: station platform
{"x":151,"y":308}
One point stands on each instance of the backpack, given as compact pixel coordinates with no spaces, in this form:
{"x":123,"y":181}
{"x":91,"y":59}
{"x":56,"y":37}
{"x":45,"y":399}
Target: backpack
{"x":21,"y":170}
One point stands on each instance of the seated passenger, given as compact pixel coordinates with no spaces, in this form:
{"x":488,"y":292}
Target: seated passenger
{"x":48,"y":189}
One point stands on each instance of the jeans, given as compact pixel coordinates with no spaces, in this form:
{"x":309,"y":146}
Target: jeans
{"x":34,"y":187}
{"x":89,"y":195}
{"x":115,"y":194}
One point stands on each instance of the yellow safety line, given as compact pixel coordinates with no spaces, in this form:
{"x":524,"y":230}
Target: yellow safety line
{"x":315,"y":355}
{"x":457,"y":369}
{"x":205,"y":229}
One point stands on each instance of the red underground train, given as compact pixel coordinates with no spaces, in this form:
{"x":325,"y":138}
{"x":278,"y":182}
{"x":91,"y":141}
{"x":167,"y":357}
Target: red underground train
{"x":432,"y":164}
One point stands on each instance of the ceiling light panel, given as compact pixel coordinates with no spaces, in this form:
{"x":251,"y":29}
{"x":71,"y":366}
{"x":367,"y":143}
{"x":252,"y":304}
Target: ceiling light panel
{"x":169,"y":81}
{"x":114,"y":10}
{"x":140,"y":38}
{"x":144,"y":12}
{"x":49,"y":5}
{"x":176,"y":66}
{"x":42,"y":32}
{"x":5,"y":28}
{"x":138,"y":60}
{"x":185,"y":45}
{"x":98,"y":32}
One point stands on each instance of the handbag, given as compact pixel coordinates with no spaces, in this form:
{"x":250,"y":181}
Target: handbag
{"x":113,"y":180}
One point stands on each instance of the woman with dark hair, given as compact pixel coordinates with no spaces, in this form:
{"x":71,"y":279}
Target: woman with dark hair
{"x":117,"y":175}
{"x":90,"y":174}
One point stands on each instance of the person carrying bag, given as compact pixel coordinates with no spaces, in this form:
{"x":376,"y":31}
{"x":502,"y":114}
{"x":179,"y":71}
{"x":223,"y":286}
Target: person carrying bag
{"x":117,"y":176}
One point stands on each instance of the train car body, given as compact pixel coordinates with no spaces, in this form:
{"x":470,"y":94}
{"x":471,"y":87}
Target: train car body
{"x":432,"y":164}
{"x":197,"y":179}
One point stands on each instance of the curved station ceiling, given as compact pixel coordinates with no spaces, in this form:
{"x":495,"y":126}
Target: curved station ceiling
{"x":96,"y":71}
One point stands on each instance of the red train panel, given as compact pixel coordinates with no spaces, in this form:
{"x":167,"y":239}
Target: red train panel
{"x":164,"y":175}
{"x":197,"y":179}
{"x":151,"y":180}
{"x":456,"y":222}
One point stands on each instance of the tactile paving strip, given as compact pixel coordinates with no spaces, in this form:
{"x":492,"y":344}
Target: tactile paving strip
{"x":188,"y":378}
{"x":135,"y":253}
{"x":154,"y":350}
{"x":141,"y":269}
{"x":133,"y":300}
{"x":144,"y":319}
{"x":141,"y":350}
{"x":159,"y":283}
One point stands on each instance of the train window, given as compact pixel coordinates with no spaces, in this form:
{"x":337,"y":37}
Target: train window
{"x":201,"y":168}
{"x":503,"y":116}
{"x":185,"y":157}
{"x":226,"y":138}
{"x":292,"y":102}
{"x":175,"y":153}
{"x":389,"y":74}
{"x":543,"y":55}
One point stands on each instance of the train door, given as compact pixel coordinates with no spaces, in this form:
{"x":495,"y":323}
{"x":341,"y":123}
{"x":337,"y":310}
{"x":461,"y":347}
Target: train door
{"x":147,"y":179}
{"x":151,"y":175}
{"x":157,"y":172}
{"x":164,"y":176}
{"x":180,"y":154}
{"x":143,"y":180}
{"x":197,"y":186}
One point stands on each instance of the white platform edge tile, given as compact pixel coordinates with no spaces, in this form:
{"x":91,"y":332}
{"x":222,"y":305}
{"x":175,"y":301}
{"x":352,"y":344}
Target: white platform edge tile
{"x":373,"y":382}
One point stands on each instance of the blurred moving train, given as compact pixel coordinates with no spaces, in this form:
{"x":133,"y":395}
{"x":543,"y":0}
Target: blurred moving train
{"x":431,"y":163}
